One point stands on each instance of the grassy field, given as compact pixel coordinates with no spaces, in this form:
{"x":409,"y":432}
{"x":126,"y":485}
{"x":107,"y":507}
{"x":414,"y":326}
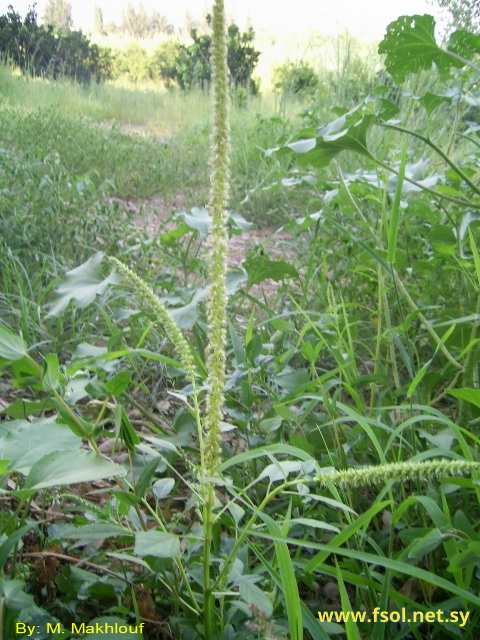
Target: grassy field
{"x":349,"y":457}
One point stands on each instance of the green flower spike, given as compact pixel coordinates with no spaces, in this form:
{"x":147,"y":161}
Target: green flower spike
{"x":398,"y":472}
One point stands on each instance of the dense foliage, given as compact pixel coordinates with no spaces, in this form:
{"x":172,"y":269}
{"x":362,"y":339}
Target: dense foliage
{"x":58,"y":14}
{"x":193,"y":67}
{"x":463,"y":14}
{"x":349,"y":467}
{"x":41,"y":51}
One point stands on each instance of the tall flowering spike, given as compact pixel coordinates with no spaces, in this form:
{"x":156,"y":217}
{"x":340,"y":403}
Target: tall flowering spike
{"x":398,"y":472}
{"x":174,"y":334}
{"x":217,"y":298}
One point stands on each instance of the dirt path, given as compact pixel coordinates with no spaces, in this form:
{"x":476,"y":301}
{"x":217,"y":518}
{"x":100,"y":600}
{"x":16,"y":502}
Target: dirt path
{"x":151,"y":216}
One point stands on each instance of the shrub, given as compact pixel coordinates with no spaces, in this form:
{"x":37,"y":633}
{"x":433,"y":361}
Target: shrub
{"x":295,"y":78}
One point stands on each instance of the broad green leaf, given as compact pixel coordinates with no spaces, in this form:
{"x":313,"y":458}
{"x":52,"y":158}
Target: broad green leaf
{"x":198,"y":219}
{"x":410,"y":47}
{"x":51,"y":376}
{"x":443,"y":439}
{"x":425,"y":545}
{"x":346,"y":133}
{"x":260,"y":268}
{"x":186,"y":316}
{"x":82,"y":285}
{"x":119,"y":383}
{"x":13,"y":594}
{"x":293,"y":380}
{"x":432,"y":101}
{"x":238,"y":223}
{"x":251,"y":594}
{"x":21,"y":409}
{"x":470,"y":395}
{"x":280,"y":470}
{"x":4,"y":465}
{"x":172,"y":237}
{"x":464,"y":44}
{"x":467,"y":558}
{"x":162,"y":488}
{"x":12,"y":347}
{"x":70,"y":467}
{"x":43,"y":437}
{"x":12,"y":540}
{"x":157,"y":544}
{"x":236,"y":512}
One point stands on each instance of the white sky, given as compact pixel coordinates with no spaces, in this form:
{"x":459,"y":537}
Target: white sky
{"x":363,"y":18}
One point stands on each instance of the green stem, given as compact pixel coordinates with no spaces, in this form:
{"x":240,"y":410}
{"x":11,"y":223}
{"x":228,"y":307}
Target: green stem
{"x":437,"y":150}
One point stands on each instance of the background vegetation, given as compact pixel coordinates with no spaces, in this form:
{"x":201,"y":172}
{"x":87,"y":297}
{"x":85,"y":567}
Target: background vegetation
{"x":352,"y":346}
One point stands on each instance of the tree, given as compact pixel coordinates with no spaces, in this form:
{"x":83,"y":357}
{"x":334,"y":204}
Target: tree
{"x":139,"y":24}
{"x":58,"y":14}
{"x":98,"y":26}
{"x":194,"y":66}
{"x":41,"y":51}
{"x":464,"y":14}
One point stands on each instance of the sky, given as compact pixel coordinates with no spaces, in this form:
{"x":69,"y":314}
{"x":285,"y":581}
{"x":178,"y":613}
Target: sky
{"x":367,"y":19}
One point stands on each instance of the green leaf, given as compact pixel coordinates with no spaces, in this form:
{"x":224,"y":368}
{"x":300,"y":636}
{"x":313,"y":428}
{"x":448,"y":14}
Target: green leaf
{"x":260,"y":268}
{"x":70,"y":467}
{"x":88,"y":533}
{"x":468,"y":558}
{"x":425,"y":545}
{"x":12,"y":540}
{"x":251,"y":594}
{"x":146,"y":476}
{"x":237,"y":222}
{"x":281,"y":469}
{"x":43,"y":437}
{"x":260,"y":452}
{"x":185,"y":317}
{"x":82,"y":285}
{"x":288,"y":579}
{"x":51,"y":376}
{"x":124,"y":429}
{"x":4,"y":465}
{"x":14,"y":596}
{"x":432,"y":101}
{"x":21,"y":409}
{"x":162,"y":488}
{"x":410,"y":47}
{"x":157,"y":544}
{"x":119,"y":383}
{"x":293,"y":380}
{"x":464,"y":44}
{"x":470,"y":395}
{"x":395,"y":216}
{"x":350,"y":625}
{"x":346,"y":133}
{"x":12,"y":347}
{"x":198,"y":219}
